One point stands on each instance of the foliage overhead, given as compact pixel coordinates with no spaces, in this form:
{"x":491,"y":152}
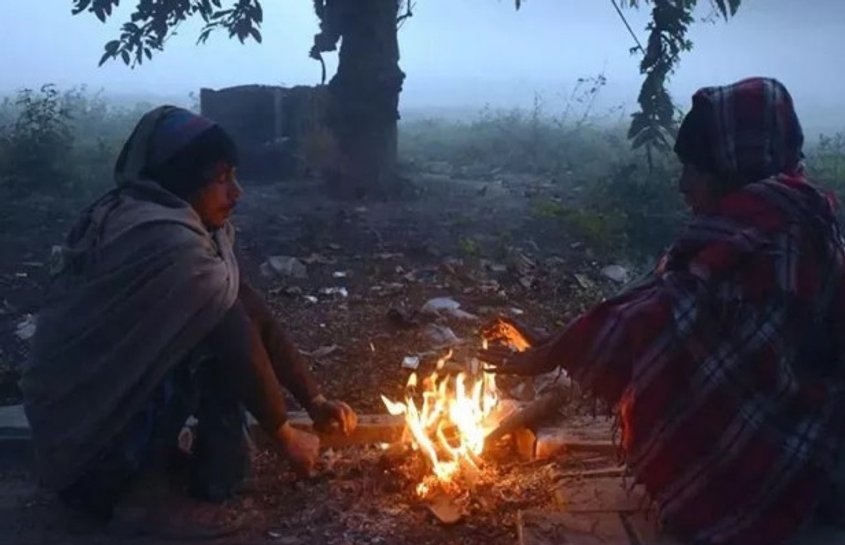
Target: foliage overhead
{"x":152,"y":22}
{"x":654,"y":125}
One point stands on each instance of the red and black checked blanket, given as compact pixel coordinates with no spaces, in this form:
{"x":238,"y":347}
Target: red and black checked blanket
{"x":726,"y":365}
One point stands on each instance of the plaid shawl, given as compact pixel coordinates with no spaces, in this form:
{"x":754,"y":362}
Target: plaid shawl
{"x":726,"y":366}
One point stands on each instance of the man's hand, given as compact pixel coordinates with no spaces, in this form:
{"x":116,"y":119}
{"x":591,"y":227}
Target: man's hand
{"x":301,"y":448}
{"x":331,"y":415}
{"x":533,"y":361}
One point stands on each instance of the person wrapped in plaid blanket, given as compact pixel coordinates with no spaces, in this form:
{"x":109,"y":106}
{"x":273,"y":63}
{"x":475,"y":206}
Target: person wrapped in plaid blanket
{"x":725,"y":364}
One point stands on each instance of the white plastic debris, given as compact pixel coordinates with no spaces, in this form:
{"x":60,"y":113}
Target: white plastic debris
{"x":342,"y":292}
{"x":310,"y":298}
{"x":411,"y":362}
{"x":583,"y":281}
{"x":324,"y":351}
{"x":441,"y":336}
{"x":446,"y":306}
{"x":440,"y":304}
{"x":340,"y":274}
{"x":26,"y":328}
{"x":459,"y":314}
{"x":280,"y":265}
{"x":617,"y":273}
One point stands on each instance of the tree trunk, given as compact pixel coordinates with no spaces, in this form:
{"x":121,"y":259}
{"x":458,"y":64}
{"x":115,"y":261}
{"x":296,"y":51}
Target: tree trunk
{"x":365,"y":99}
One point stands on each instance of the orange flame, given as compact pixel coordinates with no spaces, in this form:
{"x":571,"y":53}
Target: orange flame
{"x":450,"y":425}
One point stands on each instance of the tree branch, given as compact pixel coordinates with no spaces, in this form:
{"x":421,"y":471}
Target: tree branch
{"x":409,"y":12}
{"x":152,"y":22}
{"x":628,"y":26}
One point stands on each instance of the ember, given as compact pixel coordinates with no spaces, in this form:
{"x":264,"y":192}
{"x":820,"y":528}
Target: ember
{"x":450,"y":425}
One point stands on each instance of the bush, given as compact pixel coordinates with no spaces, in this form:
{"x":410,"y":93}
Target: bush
{"x":605,"y":192}
{"x":612,"y":199}
{"x":570,"y":140}
{"x":54,"y":142}
{"x":826,"y":163}
{"x":34,"y":148}
{"x":630,"y":209}
{"x":100,"y":129}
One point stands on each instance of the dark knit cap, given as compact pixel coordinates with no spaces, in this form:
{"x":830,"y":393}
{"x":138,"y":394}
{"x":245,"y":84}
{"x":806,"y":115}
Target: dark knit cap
{"x":187,"y":170}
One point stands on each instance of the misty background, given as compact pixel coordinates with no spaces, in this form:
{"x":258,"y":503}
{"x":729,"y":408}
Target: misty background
{"x":458,"y":55}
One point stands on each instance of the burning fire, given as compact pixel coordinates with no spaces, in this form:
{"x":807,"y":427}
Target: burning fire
{"x":450,"y":425}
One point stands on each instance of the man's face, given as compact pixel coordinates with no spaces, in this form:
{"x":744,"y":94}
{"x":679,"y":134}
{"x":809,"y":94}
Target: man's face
{"x":215,"y":202}
{"x":697,"y":188}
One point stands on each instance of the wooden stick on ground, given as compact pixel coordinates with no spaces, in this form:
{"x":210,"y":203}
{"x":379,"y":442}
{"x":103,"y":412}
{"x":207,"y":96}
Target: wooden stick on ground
{"x":533,"y":412}
{"x":372,"y":429}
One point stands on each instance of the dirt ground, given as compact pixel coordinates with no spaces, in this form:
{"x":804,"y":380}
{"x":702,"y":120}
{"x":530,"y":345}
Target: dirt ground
{"x":476,"y":241}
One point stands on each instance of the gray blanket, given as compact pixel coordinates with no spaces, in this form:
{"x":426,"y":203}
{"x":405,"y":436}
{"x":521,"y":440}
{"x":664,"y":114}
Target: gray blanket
{"x":142,"y":283}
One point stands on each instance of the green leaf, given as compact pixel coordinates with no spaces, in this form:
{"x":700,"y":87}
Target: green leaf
{"x":80,"y":6}
{"x":112,"y":47}
{"x":206,"y":32}
{"x":256,"y":35}
{"x":125,"y":55}
{"x":728,"y":8}
{"x":734,"y":6}
{"x":106,"y":56}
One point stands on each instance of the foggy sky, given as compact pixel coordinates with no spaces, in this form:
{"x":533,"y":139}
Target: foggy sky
{"x":456,"y":53}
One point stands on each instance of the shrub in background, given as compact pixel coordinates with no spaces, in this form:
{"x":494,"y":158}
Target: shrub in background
{"x":35,"y":147}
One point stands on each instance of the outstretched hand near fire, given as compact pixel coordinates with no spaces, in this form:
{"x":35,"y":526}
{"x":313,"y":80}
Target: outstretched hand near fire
{"x":515,"y":349}
{"x":512,"y":332}
{"x":505,"y":361}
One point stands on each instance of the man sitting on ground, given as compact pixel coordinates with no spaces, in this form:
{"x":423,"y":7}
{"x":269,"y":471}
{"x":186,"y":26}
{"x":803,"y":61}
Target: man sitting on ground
{"x":147,"y":323}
